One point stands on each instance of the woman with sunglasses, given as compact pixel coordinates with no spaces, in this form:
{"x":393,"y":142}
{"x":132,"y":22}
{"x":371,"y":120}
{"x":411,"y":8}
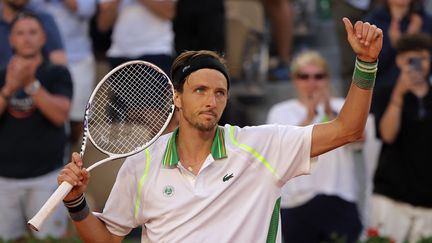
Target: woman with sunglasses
{"x":321,"y":207}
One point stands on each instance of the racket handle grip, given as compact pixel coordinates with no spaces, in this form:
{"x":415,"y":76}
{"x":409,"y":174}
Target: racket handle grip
{"x":50,"y":205}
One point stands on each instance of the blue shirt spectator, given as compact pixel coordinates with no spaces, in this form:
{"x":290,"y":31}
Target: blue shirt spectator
{"x":53,"y":42}
{"x":73,"y":25}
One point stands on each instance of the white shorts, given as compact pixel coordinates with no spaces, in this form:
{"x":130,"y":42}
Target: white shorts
{"x":83,"y":77}
{"x":400,"y":221}
{"x":21,"y":199}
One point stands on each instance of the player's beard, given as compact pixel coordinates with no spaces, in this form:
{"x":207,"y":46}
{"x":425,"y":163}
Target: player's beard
{"x":202,"y":126}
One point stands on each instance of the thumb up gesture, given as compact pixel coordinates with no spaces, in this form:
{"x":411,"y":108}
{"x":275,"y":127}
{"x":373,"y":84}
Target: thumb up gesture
{"x":365,"y":39}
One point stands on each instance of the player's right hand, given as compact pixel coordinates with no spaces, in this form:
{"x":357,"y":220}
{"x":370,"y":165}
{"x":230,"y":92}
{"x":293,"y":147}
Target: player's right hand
{"x":76,"y":175}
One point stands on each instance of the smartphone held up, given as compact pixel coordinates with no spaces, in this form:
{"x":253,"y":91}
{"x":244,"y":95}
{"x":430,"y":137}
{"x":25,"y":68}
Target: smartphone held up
{"x":415,"y":64}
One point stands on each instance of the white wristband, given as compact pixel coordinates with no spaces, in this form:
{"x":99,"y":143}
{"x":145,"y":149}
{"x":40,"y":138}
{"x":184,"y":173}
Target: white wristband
{"x":32,"y":88}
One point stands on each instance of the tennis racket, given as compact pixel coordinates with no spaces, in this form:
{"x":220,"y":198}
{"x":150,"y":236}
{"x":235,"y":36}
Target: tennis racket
{"x":127,"y":111}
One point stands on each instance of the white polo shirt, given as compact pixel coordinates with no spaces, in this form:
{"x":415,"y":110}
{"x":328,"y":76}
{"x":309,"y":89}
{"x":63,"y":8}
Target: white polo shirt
{"x":138,"y":31}
{"x":234,"y":198}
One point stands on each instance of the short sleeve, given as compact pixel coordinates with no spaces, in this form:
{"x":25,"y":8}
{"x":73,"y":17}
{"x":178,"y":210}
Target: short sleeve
{"x":118,"y":213}
{"x":56,"y":79}
{"x":283,"y":149}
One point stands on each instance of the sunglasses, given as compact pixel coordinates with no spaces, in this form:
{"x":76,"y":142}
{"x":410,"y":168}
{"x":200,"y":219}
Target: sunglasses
{"x":315,"y":76}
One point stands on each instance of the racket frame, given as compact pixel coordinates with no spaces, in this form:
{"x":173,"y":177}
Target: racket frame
{"x":52,"y":203}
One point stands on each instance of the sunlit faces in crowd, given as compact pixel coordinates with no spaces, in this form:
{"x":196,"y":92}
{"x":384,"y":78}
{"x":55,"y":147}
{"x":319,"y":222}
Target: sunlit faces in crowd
{"x":310,"y":74}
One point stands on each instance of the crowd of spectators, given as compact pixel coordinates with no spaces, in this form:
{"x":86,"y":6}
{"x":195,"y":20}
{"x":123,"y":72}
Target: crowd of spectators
{"x":157,"y":31}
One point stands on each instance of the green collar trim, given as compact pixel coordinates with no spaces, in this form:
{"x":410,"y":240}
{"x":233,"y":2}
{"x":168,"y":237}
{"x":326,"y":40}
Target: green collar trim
{"x":218,"y":149}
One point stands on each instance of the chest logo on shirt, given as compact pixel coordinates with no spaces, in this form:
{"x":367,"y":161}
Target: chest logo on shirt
{"x":168,"y":191}
{"x":21,"y":106}
{"x":227,"y":177}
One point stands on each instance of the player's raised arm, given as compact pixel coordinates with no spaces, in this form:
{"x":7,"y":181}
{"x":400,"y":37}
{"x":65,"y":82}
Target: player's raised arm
{"x":366,"y":41}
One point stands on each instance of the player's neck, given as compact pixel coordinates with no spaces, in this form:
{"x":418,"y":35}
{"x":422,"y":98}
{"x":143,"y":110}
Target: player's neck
{"x":193,"y":147}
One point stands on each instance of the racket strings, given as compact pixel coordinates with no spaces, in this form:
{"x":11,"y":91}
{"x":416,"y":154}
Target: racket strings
{"x":130,"y":108}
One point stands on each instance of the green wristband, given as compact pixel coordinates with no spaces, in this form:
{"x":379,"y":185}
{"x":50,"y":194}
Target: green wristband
{"x":364,"y":74}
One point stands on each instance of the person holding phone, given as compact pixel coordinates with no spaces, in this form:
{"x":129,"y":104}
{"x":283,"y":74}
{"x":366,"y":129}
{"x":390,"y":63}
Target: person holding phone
{"x":396,"y":18}
{"x":402,"y":199}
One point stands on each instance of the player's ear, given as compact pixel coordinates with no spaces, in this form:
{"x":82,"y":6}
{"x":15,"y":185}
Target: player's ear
{"x":177,"y":100}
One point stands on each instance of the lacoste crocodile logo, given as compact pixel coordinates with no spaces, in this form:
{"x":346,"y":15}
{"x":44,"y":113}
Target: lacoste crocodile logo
{"x":227,"y":177}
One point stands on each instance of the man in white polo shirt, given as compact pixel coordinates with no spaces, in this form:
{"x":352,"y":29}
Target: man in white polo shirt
{"x":206,"y":183}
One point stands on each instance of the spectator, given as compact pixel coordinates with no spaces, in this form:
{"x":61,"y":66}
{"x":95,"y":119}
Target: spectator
{"x":142,"y":29}
{"x":396,"y":18}
{"x":402,"y":199}
{"x":34,"y":105}
{"x":199,"y":26}
{"x":321,"y":207}
{"x":53,"y":48}
{"x":280,"y":15}
{"x":72,"y":18}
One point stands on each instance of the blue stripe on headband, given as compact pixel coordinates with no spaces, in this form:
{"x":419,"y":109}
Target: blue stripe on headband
{"x":196,"y":63}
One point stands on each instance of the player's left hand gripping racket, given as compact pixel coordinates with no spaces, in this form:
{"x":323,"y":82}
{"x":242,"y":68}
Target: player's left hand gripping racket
{"x":127,"y":111}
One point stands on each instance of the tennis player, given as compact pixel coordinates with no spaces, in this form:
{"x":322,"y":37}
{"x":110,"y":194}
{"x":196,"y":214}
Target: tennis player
{"x":207,"y":183}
